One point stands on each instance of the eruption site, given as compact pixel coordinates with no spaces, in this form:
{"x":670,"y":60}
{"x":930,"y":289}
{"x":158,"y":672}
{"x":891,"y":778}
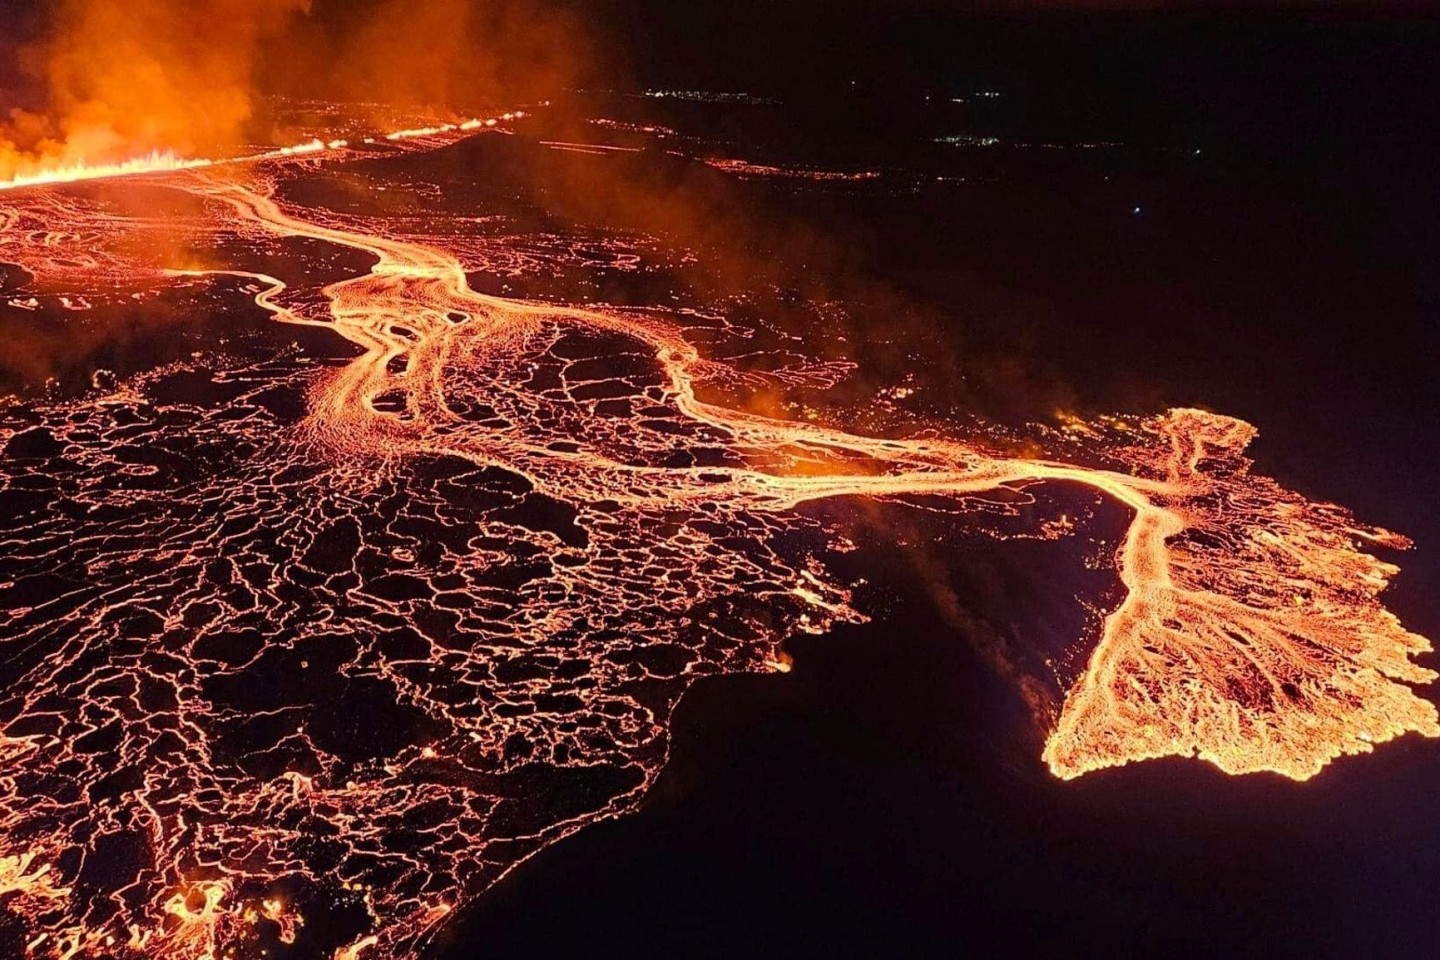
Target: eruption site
{"x":302,"y":653}
{"x":153,"y":84}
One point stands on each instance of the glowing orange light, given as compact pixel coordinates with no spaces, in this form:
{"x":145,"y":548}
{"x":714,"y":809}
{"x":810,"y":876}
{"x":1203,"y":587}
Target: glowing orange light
{"x":1250,"y":633}
{"x":164,"y":162}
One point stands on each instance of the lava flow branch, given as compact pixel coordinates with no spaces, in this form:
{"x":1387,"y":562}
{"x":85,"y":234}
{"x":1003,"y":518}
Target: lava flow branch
{"x":299,"y":657}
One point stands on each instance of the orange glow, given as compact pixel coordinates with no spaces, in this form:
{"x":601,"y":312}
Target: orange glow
{"x":157,"y":162}
{"x":1250,"y":633}
{"x":357,"y":948}
{"x":123,"y":80}
{"x":154,"y":162}
{"x":1193,"y":623}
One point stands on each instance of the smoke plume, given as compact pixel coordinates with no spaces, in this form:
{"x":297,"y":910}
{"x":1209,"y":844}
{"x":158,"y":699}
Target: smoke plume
{"x":121,"y":78}
{"x":127,"y":78}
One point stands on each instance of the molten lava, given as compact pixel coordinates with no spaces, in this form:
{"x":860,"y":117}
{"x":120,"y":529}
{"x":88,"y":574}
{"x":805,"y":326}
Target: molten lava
{"x":157,"y":162}
{"x":307,"y":666}
{"x":152,"y":163}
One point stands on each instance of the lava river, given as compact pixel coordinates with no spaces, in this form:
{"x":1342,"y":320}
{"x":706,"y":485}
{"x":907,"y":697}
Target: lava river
{"x":308,"y":665}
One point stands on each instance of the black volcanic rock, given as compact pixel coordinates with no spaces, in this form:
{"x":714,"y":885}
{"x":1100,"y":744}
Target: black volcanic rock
{"x":36,"y":443}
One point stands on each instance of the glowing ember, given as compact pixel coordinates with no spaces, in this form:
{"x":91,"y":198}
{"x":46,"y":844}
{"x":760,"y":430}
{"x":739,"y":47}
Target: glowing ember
{"x":318,"y":662}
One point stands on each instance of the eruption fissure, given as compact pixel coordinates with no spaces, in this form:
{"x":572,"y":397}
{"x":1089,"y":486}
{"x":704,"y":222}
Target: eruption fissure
{"x":306,"y":668}
{"x":161,"y":162}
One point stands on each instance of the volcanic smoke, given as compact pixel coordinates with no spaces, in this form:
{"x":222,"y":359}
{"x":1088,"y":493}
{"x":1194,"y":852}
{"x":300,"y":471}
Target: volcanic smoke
{"x":159,"y":83}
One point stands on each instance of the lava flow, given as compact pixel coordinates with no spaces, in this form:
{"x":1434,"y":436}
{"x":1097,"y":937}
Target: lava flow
{"x":301,"y":656}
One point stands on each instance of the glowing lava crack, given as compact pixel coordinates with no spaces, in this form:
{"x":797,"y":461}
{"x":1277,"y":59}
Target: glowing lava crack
{"x":304,"y":668}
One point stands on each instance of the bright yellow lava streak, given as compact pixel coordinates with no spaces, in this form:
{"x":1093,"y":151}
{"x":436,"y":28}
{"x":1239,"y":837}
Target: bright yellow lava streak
{"x":158,"y":161}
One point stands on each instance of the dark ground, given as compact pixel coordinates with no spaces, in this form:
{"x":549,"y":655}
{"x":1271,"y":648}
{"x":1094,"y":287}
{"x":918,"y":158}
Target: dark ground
{"x":886,"y":798}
